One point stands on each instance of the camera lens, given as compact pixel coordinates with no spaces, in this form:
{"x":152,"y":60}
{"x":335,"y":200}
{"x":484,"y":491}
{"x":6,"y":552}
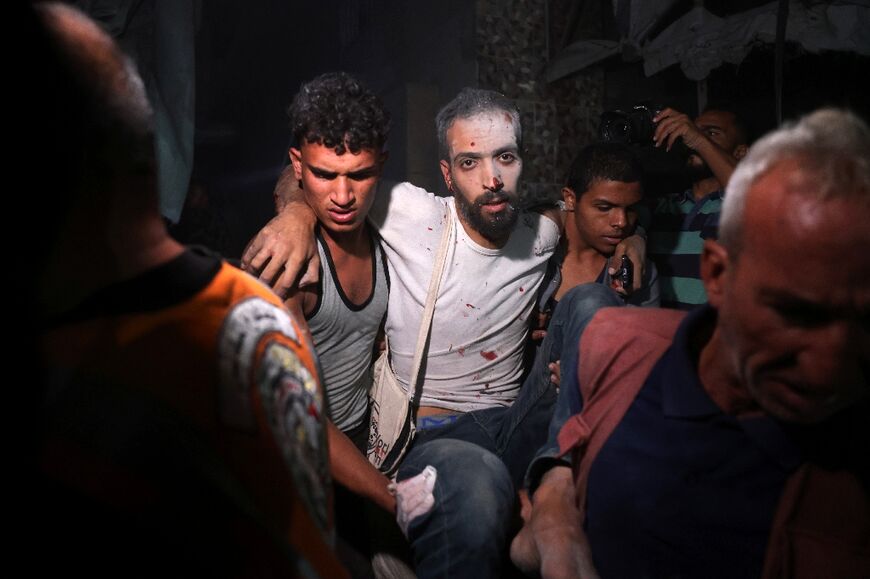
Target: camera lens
{"x":615,"y":127}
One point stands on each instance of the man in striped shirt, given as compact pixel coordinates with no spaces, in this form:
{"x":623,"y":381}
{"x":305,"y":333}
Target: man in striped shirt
{"x":717,"y":140}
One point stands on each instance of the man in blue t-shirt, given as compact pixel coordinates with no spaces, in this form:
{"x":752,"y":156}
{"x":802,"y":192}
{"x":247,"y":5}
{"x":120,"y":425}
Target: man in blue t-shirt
{"x":717,"y":139}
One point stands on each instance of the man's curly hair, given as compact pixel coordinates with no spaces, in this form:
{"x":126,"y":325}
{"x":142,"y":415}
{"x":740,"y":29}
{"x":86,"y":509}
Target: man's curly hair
{"x":335,"y":110}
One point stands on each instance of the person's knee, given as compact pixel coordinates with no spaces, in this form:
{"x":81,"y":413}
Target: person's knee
{"x":483,"y":492}
{"x":486,"y":480}
{"x":584,"y":300}
{"x":580,"y":303}
{"x":473,"y":488}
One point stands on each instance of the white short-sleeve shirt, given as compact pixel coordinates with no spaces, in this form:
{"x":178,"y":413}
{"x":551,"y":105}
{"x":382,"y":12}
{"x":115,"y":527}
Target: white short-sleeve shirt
{"x":481,"y":319}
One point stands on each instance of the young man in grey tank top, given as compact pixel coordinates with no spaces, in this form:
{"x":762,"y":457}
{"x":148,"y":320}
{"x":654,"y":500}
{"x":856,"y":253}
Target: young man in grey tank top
{"x":340,"y":129}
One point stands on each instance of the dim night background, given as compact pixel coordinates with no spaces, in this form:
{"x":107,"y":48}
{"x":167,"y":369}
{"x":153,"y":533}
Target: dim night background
{"x":251,"y":57}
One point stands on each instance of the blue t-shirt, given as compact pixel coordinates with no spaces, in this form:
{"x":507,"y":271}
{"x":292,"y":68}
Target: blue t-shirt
{"x":680,"y":225}
{"x":680,"y":489}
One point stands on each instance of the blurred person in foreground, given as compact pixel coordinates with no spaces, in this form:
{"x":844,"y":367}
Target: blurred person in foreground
{"x":182,"y":423}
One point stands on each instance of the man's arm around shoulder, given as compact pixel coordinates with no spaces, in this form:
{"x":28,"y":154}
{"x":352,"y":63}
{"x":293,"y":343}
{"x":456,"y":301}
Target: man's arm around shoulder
{"x":552,"y":211}
{"x":286,"y":242}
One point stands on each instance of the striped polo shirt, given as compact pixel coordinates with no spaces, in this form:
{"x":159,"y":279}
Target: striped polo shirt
{"x":679,"y":227}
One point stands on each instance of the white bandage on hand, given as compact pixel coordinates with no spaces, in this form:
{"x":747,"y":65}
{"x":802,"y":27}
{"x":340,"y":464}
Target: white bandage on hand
{"x":414,"y":497}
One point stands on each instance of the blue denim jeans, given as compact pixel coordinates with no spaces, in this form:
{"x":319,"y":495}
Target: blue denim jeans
{"x":482,"y":458}
{"x":588,"y":298}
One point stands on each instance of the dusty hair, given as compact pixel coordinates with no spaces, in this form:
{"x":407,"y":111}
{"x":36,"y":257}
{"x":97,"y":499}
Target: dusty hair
{"x":468,"y":103}
{"x":832,"y":145}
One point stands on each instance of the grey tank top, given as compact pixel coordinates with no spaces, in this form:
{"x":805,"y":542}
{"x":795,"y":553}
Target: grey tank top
{"x":344,"y":336}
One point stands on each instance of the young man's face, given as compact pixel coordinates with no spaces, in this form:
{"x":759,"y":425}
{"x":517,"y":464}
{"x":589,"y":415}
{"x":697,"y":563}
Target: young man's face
{"x":605,"y":214}
{"x":794,"y":306}
{"x":483,"y":172}
{"x":340,"y":189}
{"x":719,"y":127}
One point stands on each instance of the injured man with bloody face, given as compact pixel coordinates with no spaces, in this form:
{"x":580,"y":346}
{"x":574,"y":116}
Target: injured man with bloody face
{"x":476,"y":430}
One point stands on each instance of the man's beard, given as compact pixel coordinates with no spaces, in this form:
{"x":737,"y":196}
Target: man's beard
{"x":494,"y":227}
{"x":697,"y":171}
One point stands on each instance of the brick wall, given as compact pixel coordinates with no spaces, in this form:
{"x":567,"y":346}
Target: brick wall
{"x":558,"y":118}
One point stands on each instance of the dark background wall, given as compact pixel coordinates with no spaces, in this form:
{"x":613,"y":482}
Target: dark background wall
{"x":252,"y":57}
{"x":514,"y":45}
{"x":417,"y":55}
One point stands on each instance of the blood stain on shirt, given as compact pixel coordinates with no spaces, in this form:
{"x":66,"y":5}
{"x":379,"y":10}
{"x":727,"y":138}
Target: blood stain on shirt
{"x":488,"y":355}
{"x":522,"y":290}
{"x":461,"y":351}
{"x":469,"y":306}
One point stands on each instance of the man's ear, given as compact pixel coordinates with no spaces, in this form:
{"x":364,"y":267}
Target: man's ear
{"x":445,"y":171}
{"x":569,"y":198}
{"x":740,"y":151}
{"x":382,"y":160}
{"x":715,"y":267}
{"x":296,"y":160}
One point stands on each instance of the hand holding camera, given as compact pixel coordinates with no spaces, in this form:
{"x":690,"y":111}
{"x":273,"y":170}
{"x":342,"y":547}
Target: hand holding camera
{"x":672,"y":125}
{"x":650,"y":124}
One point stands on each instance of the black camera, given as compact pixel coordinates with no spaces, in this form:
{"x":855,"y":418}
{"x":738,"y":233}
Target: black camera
{"x":632,"y":126}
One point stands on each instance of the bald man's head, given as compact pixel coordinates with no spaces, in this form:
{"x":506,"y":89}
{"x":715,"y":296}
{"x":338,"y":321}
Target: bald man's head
{"x":96,"y":210}
{"x":101,"y":124}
